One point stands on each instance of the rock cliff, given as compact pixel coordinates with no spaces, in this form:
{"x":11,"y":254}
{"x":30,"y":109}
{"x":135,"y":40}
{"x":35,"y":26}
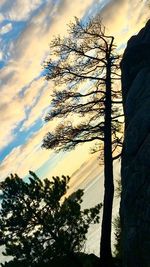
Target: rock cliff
{"x":135,"y":202}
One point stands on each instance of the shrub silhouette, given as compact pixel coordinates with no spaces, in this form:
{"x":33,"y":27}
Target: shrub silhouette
{"x":38,"y":222}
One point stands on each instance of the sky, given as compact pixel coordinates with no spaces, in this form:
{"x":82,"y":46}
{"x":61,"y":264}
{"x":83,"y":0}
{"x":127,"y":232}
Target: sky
{"x":26,"y":29}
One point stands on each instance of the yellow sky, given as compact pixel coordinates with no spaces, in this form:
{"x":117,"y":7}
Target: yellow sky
{"x":24,"y":94}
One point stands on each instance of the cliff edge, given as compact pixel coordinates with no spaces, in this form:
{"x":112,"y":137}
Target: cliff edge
{"x":135,"y":171}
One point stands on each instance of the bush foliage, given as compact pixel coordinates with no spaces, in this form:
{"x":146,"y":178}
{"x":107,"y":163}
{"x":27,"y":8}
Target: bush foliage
{"x":38,"y":222}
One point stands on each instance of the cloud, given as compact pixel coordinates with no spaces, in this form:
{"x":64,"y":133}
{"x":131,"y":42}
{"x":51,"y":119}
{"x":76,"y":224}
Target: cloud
{"x":10,"y":117}
{"x":3,"y":2}
{"x":28,"y":107}
{"x":33,"y":92}
{"x":27,"y":157}
{"x":38,"y":109}
{"x":123,"y":18}
{"x":1,"y":17}
{"x":19,"y":10}
{"x":31,"y":156}
{"x":1,"y":55}
{"x":71,"y":161}
{"x":6,"y":28}
{"x":24,"y":95}
{"x":27,"y":54}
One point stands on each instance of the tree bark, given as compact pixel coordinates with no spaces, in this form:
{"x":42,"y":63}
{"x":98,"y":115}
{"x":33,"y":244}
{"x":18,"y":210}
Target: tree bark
{"x":105,"y":243}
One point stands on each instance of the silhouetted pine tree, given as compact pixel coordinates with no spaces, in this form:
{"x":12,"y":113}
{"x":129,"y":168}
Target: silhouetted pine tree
{"x":84,"y":69}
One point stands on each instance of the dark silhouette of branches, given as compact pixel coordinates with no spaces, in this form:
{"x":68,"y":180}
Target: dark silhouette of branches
{"x":38,"y":222}
{"x":81,"y":60}
{"x":84,"y":68}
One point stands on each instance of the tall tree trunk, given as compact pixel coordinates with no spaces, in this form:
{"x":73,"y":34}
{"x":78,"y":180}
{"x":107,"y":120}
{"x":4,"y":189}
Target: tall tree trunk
{"x":105,"y":244}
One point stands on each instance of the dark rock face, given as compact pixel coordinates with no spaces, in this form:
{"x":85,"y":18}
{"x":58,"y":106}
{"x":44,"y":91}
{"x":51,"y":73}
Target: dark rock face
{"x":135,"y":202}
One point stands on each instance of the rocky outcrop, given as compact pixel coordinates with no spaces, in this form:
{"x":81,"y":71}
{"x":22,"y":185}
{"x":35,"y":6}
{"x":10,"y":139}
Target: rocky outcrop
{"x":135,"y":201}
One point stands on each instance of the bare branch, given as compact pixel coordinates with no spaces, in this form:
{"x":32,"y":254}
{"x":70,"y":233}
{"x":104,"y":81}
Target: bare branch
{"x":117,"y":156}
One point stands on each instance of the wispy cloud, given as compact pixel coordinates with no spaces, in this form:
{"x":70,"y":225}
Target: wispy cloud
{"x":38,"y":108}
{"x":19,"y":10}
{"x":27,"y":27}
{"x":28,"y":156}
{"x":6,"y":28}
{"x":11,"y":115}
{"x":24,"y":96}
{"x":124,"y":18}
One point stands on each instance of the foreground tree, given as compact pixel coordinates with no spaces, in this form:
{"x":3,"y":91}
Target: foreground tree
{"x":84,"y":68}
{"x":38,"y":223}
{"x":117,"y":229}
